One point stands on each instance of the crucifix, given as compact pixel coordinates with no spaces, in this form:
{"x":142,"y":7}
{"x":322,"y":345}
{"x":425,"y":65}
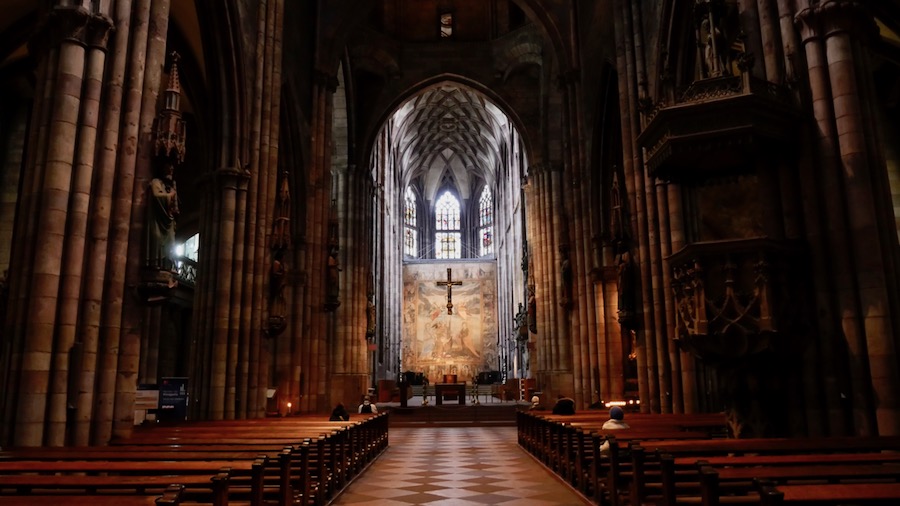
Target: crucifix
{"x":449,"y":284}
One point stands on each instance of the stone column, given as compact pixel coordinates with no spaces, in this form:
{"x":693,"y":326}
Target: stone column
{"x":35,"y":391}
{"x":855,"y":267}
{"x":846,"y":27}
{"x":314,"y":337}
{"x":101,"y":214}
{"x":635,"y":184}
{"x":749,"y":12}
{"x":770,"y":33}
{"x":134,"y":317}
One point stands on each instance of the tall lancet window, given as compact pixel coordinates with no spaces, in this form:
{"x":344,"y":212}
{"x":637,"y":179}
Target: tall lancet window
{"x":447,"y":239}
{"x":410,"y":230}
{"x":486,"y":222}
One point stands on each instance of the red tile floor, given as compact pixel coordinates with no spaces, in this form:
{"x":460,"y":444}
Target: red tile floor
{"x":458,"y":466}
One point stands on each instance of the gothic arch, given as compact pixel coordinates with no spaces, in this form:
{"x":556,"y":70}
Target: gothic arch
{"x":221,"y":34}
{"x":401,"y":98}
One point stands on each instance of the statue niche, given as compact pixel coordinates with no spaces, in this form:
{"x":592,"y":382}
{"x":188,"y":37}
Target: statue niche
{"x":716,"y":31}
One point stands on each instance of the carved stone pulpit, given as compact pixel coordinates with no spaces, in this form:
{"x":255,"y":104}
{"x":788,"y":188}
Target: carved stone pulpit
{"x":740,"y":308}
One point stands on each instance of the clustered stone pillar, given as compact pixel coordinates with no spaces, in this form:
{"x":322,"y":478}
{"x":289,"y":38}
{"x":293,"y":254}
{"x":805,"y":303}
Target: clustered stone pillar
{"x":314,"y":329}
{"x":230,"y":359}
{"x":348,"y":365}
{"x":834,"y":34}
{"x":70,"y":382}
{"x":544,"y":195}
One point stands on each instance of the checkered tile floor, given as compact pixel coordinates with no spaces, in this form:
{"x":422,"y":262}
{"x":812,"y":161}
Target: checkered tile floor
{"x":456,"y":466}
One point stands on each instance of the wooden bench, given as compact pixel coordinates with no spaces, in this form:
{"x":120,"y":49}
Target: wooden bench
{"x":666,"y":469}
{"x":570,"y":445}
{"x":681,"y":481}
{"x":831,"y":494}
{"x":170,"y":497}
{"x":246,"y":473}
{"x":741,"y":483}
{"x":327,"y":454}
{"x":313,"y":457}
{"x":212,"y":489}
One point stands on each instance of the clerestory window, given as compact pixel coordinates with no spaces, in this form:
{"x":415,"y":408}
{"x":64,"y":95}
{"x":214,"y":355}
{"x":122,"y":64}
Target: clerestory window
{"x":448,"y":237}
{"x":410,"y":226}
{"x":486,"y":222}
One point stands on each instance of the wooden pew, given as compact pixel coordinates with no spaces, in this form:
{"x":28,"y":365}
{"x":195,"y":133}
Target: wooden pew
{"x":214,"y":487}
{"x":570,"y":445}
{"x":170,"y":497}
{"x":741,"y":481}
{"x":247,"y":471}
{"x":668,"y":469}
{"x":339,"y":451}
{"x":886,"y":494}
{"x":330,"y":454}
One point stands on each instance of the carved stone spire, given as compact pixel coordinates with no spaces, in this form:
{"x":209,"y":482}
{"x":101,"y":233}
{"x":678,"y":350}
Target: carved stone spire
{"x":170,"y":127}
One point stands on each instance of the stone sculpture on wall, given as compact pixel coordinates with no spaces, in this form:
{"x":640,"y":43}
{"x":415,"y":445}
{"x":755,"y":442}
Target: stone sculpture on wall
{"x":162,"y":212}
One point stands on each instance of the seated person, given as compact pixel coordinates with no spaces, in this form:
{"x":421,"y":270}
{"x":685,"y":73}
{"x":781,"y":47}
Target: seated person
{"x":616,"y":421}
{"x":564,"y":406}
{"x":535,"y":404}
{"x":367,"y":406}
{"x":339,"y":414}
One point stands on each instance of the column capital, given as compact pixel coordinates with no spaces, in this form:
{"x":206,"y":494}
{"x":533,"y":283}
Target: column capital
{"x":236,"y":177}
{"x":325,"y":80}
{"x":832,"y":17}
{"x":60,"y":23}
{"x":99,"y":27}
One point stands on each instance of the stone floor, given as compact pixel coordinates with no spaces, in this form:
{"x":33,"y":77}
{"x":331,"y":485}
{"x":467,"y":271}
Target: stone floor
{"x":457,"y":466}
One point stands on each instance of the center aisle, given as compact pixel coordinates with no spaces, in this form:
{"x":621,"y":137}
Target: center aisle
{"x":456,"y":466}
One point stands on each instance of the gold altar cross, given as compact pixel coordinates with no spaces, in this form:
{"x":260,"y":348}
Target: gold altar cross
{"x":449,"y":284}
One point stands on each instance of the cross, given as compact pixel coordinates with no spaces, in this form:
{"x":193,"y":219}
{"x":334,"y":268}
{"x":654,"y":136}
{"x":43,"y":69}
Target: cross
{"x":449,"y":284}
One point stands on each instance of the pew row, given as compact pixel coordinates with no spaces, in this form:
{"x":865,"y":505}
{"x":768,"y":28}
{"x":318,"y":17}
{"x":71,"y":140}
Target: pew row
{"x":299,"y":460}
{"x":667,"y":462}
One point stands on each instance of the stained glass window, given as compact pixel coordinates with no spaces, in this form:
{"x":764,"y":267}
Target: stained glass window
{"x":410,"y":230}
{"x":448,"y":239}
{"x":486,"y":222}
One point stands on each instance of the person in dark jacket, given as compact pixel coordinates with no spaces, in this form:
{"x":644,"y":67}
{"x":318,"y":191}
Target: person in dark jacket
{"x":339,"y":414}
{"x":367,"y":406}
{"x":564,"y":406}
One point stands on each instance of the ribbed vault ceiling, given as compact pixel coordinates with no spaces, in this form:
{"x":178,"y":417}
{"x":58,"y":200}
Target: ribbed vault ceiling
{"x":448,"y":132}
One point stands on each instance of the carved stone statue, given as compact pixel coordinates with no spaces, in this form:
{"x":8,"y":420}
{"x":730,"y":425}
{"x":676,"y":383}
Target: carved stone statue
{"x":370,"y":316}
{"x":162,"y":212}
{"x":715,"y":52}
{"x":625,"y":281}
{"x":565,"y":271}
{"x":332,"y":279}
{"x":281,"y":234}
{"x":521,"y":324}
{"x":532,"y":310}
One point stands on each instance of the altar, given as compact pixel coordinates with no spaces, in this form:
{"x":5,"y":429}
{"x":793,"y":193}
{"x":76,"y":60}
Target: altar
{"x":441,"y":389}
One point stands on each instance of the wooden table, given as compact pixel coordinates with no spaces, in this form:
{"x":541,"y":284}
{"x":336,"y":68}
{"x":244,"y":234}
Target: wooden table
{"x":441,"y":388}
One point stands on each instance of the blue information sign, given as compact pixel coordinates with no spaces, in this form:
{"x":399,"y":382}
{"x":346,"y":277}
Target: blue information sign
{"x":173,"y":399}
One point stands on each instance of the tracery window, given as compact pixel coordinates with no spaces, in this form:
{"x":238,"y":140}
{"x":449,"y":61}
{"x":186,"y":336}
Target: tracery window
{"x":187,"y":254}
{"x":410,"y":229}
{"x":448,"y":238}
{"x":486,"y":222}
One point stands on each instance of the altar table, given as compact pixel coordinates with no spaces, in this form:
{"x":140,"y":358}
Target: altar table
{"x":440,"y":389}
